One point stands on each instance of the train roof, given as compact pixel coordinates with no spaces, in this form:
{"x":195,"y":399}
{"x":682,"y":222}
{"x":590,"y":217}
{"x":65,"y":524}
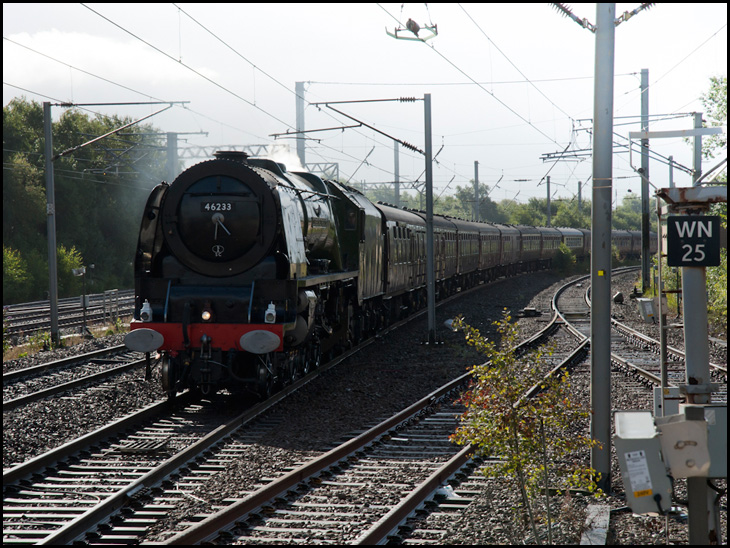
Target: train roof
{"x":396,"y":214}
{"x":566,"y":230}
{"x":524,"y":229}
{"x":508,"y":229}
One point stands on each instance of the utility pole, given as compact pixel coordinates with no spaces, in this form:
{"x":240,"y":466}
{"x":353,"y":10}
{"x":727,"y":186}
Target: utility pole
{"x":476,"y":191}
{"x":703,"y":518}
{"x":51,"y":223}
{"x":396,"y":166}
{"x":697,"y":163}
{"x":172,"y":158}
{"x":687,"y":206}
{"x":51,"y":192}
{"x":645,"y":224}
{"x":299,"y":92}
{"x":430,"y":274}
{"x":601,"y":244}
{"x":548,"y":200}
{"x":580,"y":191}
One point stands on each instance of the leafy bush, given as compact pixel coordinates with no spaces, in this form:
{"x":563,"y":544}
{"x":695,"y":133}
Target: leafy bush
{"x":501,"y":422}
{"x":564,"y":260}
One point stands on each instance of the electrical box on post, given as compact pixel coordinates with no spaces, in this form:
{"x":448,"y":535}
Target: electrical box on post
{"x":669,"y":403}
{"x":684,"y":444}
{"x":694,"y":442}
{"x":646,"y":309}
{"x":648,"y":488}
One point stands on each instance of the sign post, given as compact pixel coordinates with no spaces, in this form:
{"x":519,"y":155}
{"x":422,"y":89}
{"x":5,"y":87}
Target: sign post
{"x":693,"y":243}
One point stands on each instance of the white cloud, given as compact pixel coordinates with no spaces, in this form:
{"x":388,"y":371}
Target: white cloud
{"x":128,"y":63}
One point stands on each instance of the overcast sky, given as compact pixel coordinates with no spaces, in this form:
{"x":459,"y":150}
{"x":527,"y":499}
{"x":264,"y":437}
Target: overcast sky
{"x":508,"y":83}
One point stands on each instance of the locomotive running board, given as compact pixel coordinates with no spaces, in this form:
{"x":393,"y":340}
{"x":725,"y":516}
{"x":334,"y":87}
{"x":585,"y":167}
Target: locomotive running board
{"x":309,"y":281}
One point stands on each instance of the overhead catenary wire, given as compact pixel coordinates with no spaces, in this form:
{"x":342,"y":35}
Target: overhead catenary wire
{"x":459,"y":69}
{"x":250,"y":55}
{"x":178,"y":61}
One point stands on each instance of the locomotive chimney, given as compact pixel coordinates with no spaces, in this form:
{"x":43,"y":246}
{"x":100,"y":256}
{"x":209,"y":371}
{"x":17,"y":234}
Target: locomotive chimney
{"x":231,"y":155}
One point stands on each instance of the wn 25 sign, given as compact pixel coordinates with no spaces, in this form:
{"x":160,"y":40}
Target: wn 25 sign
{"x":693,"y":240}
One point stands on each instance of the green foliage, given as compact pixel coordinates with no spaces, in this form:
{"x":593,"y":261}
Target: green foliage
{"x":16,"y":278}
{"x":564,"y":260}
{"x":489,"y":211}
{"x":67,"y":260}
{"x":533,"y":213}
{"x":568,"y":215}
{"x":627,"y":216}
{"x":501,"y":422}
{"x":717,"y":279}
{"x":100,"y":193}
{"x":715,"y":103}
{"x":717,"y":292}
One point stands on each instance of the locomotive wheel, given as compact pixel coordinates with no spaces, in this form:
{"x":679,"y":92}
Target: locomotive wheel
{"x":313,"y":358}
{"x":168,"y":378}
{"x":265,"y":377}
{"x":306,"y":363}
{"x":356,"y":325}
{"x":291,"y":368}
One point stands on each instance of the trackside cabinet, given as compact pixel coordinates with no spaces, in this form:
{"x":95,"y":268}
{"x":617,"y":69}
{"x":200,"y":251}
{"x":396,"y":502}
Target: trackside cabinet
{"x":646,"y":483}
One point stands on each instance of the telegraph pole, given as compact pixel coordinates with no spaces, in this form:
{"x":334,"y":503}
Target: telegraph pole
{"x":645,"y":224}
{"x":430,"y":274}
{"x":601,"y":244}
{"x":172,"y":158}
{"x":396,"y":173}
{"x":476,"y":191}
{"x":51,"y":223}
{"x":548,"y":200}
{"x":580,"y":191}
{"x":51,"y":191}
{"x":299,"y":92}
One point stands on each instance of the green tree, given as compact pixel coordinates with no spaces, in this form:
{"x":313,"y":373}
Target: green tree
{"x":500,"y":421}
{"x":569,"y":215}
{"x":627,"y":216}
{"x":564,"y":260}
{"x":100,"y":193}
{"x":16,"y":278}
{"x":489,"y":210}
{"x":715,"y":103}
{"x":533,"y":213}
{"x":69,"y":259}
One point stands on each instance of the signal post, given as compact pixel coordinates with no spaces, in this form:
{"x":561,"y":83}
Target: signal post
{"x":693,"y":243}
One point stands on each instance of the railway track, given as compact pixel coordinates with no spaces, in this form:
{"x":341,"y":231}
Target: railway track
{"x":24,"y":386}
{"x":106,"y":468}
{"x":632,"y":351}
{"x":366,"y":495}
{"x":149,"y":492}
{"x":27,"y":319}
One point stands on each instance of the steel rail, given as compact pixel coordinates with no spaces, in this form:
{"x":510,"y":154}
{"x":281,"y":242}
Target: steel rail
{"x":40,"y":394}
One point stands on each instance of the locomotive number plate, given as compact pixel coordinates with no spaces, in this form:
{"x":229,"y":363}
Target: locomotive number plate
{"x":217,"y":206}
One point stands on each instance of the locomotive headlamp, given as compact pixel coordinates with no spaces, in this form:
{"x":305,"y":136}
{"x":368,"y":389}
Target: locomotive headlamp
{"x":146,"y":313}
{"x":207,"y":313}
{"x":270,"y":314}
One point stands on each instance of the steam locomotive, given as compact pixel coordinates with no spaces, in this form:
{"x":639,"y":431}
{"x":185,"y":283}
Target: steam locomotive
{"x":247,"y":275}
